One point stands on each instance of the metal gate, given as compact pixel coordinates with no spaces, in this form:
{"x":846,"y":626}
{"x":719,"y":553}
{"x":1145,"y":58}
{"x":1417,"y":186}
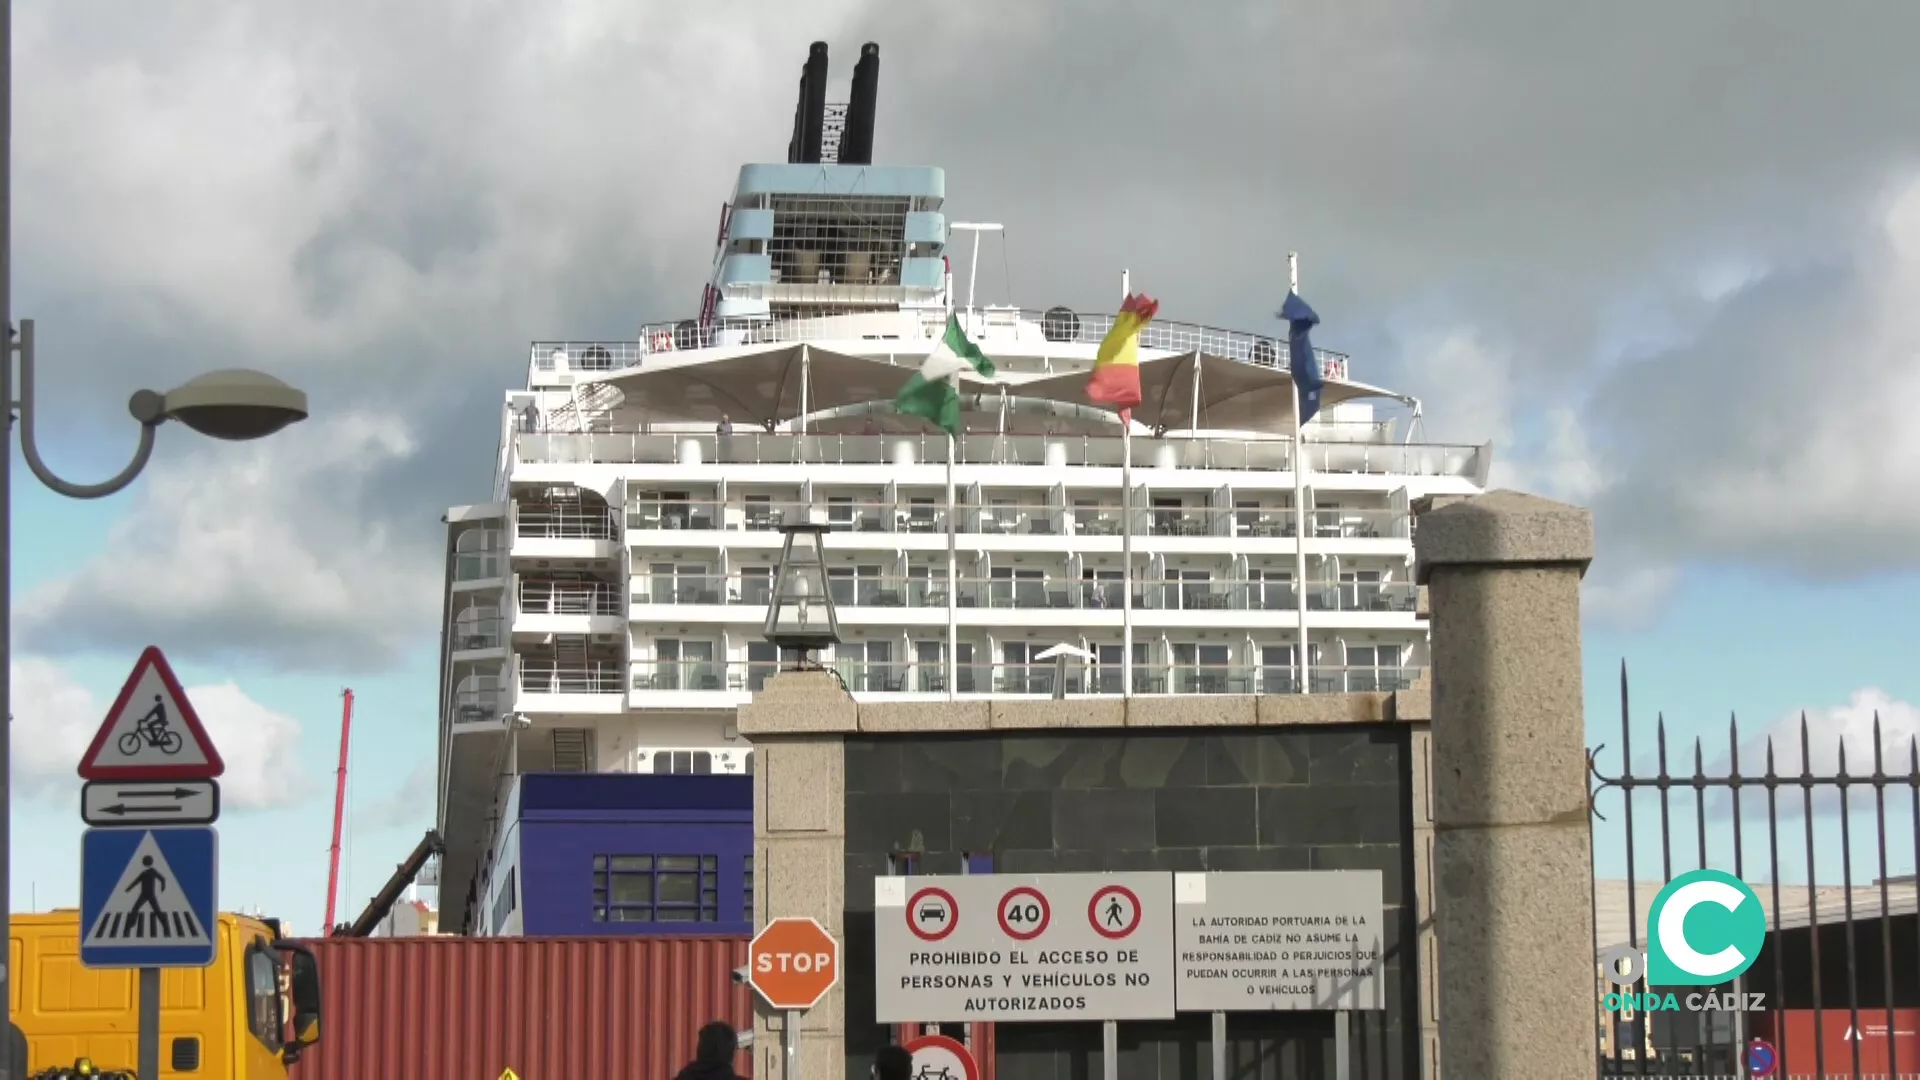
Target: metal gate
{"x":1839,"y":970}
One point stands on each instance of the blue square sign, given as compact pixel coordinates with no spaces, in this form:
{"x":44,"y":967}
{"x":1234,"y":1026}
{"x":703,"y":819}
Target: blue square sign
{"x":149,"y":897}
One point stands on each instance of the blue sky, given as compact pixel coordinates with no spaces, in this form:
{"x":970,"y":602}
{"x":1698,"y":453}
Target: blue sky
{"x":274,"y":860}
{"x":1646,"y":298}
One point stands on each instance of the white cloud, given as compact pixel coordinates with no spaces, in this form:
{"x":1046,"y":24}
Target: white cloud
{"x":54,"y":718}
{"x":260,"y":552}
{"x":1830,"y":731}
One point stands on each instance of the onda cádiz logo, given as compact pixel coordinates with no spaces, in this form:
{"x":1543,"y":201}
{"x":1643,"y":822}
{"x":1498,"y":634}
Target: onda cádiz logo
{"x":1705,"y":929}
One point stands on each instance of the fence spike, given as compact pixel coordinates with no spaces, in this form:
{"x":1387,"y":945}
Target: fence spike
{"x":1770,"y":773}
{"x":1660,"y":740}
{"x":1806,"y":747}
{"x":1733,"y":750}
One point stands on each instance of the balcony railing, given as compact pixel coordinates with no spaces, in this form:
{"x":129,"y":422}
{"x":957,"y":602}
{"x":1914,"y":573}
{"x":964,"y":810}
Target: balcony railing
{"x":592,"y":677}
{"x":987,"y":326}
{"x":563,"y":523}
{"x":481,"y":706}
{"x":1100,"y":451}
{"x":479,"y":565}
{"x":851,"y":593}
{"x":1016,"y":519}
{"x":1034,"y":679}
{"x":568,"y":598}
{"x":480,"y":633}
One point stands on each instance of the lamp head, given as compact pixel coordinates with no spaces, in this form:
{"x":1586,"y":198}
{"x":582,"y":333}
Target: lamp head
{"x":235,"y":404}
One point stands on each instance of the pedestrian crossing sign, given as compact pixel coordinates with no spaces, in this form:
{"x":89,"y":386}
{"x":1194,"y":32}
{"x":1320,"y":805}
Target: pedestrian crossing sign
{"x":148,"y":897}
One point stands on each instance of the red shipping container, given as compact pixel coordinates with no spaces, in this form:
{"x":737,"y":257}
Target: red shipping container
{"x":1838,"y":1036}
{"x":544,"y":1007}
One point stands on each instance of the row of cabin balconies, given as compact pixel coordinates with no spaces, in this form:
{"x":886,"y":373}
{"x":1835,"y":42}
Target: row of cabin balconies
{"x":925,"y":516}
{"x":1017,"y":591}
{"x":1026,"y":679}
{"x":546,"y":688}
{"x":549,"y":683}
{"x":1233,"y":455}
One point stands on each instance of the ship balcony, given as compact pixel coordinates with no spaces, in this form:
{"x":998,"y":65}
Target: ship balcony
{"x":1330,"y":462}
{"x":477,"y":635}
{"x":920,"y":524}
{"x":477,"y":706}
{"x":582,"y":532}
{"x":568,"y":607}
{"x":548,"y":685}
{"x":481,"y":567}
{"x":722,"y":684}
{"x":1016,"y":599}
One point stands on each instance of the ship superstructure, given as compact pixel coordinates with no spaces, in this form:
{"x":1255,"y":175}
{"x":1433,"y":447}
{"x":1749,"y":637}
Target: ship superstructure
{"x":604,"y":609}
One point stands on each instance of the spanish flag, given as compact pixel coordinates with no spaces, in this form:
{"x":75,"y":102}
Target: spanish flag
{"x":1116,"y":368}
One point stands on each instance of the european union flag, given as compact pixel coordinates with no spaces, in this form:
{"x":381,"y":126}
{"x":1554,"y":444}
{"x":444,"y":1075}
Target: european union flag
{"x":1302,"y":363}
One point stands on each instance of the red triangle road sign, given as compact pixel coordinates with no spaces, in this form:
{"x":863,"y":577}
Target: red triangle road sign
{"x":152,"y":732}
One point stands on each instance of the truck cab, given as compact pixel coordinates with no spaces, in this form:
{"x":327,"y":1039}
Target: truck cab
{"x":246,"y":1017}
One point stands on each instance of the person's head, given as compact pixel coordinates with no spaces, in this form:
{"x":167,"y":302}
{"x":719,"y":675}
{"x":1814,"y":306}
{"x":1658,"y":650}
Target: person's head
{"x":717,"y":1044}
{"x":893,"y":1063}
{"x":725,"y":419}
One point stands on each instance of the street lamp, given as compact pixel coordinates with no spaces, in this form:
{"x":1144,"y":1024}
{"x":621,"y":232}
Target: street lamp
{"x":800,"y":615}
{"x":230,"y":405}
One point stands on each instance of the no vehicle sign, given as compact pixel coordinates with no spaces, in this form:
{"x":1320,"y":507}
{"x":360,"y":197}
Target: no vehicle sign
{"x":932,"y":915}
{"x":1060,"y":947}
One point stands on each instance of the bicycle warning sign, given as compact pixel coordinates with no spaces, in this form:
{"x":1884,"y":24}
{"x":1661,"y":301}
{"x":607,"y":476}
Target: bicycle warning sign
{"x":152,"y":732}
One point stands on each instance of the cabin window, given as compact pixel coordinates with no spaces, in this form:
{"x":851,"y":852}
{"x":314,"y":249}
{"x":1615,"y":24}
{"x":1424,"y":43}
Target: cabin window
{"x":656,"y":888}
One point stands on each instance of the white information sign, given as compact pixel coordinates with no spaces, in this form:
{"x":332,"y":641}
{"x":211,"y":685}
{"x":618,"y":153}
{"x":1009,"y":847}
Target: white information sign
{"x":1256,"y":942}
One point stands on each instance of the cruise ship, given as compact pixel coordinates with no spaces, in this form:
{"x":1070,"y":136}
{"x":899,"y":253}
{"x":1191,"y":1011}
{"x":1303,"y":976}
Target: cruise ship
{"x":604,"y":610}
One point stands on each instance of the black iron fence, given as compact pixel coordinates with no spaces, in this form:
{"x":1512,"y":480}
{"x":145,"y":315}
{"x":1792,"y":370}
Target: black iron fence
{"x":1835,"y":989}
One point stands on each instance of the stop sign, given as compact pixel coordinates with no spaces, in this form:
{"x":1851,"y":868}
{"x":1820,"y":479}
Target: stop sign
{"x":793,"y":962}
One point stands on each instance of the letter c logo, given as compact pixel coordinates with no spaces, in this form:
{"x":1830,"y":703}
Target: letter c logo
{"x":1673,"y":928}
{"x":1707,"y":908}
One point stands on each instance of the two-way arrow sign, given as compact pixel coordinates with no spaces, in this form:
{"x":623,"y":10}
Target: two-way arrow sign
{"x":182,"y":802}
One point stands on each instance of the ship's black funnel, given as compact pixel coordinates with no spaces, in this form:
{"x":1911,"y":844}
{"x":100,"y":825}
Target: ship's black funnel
{"x":813,"y":104}
{"x":856,"y":140}
{"x":799,"y":123}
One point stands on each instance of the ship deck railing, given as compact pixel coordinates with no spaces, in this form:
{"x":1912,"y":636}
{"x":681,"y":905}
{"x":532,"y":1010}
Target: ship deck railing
{"x":1029,"y":328}
{"x":1237,"y":454}
{"x":881,"y":594}
{"x":1034,"y":679}
{"x":925,"y":515}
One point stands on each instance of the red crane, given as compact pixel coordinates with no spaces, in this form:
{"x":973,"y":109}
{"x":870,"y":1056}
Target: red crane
{"x":339,"y":806}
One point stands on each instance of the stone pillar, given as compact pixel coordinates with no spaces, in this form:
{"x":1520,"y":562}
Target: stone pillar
{"x":1512,"y":859}
{"x":797,"y":724}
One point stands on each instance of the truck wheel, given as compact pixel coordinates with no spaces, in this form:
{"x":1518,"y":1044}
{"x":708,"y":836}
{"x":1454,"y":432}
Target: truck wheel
{"x":17,"y":1049}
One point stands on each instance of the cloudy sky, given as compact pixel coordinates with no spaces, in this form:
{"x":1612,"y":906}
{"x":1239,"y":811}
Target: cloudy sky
{"x":1664,"y":256}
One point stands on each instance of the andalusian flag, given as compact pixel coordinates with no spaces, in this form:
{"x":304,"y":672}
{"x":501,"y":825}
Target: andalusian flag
{"x":1116,"y":368}
{"x":934,"y":391}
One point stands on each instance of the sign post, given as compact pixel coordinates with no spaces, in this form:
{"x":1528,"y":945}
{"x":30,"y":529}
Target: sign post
{"x":791,"y":964}
{"x":149,"y":861}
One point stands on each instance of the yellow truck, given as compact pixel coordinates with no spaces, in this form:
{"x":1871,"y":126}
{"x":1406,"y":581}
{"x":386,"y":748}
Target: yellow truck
{"x":247,"y":1017}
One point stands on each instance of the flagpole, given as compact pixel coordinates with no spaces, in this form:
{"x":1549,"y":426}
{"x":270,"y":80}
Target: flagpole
{"x":1126,"y":552}
{"x":953,"y":582}
{"x":1302,"y":660}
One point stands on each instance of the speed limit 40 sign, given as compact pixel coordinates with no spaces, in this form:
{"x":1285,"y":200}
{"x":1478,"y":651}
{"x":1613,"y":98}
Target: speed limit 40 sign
{"x":1024,"y":913}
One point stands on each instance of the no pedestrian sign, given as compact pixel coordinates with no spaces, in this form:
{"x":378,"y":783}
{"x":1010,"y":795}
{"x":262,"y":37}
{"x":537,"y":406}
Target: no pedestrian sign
{"x":1012,"y":947}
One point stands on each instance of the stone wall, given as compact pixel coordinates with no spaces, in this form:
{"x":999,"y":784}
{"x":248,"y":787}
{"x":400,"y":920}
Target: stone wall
{"x":1298,"y":798}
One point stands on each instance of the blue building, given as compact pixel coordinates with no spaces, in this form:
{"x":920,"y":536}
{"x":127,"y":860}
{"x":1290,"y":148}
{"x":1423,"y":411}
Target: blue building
{"x":622,"y":853}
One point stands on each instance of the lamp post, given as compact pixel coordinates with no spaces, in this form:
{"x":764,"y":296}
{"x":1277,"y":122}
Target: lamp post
{"x":231,"y":405}
{"x":800,"y":614}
